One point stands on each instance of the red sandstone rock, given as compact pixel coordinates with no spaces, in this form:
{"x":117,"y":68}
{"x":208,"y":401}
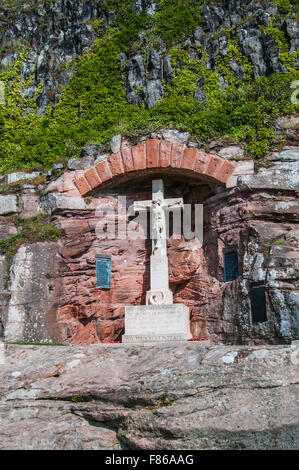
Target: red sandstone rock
{"x":177,"y":154}
{"x":165,"y":154}
{"x":201,"y":162}
{"x":214,"y":166}
{"x":189,"y":158}
{"x":93,"y":178}
{"x":110,"y":329}
{"x":82,"y":185}
{"x":65,"y":183}
{"x":152,"y":153}
{"x":66,"y":313}
{"x":104,"y":170}
{"x":225,"y":171}
{"x":116,"y":164}
{"x":139,"y":157}
{"x":84,"y":334}
{"x":127,"y":159}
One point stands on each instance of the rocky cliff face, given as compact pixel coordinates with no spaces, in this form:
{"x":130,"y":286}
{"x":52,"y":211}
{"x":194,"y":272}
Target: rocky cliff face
{"x":149,"y":74}
{"x":185,"y":397}
{"x":54,"y":33}
{"x":59,"y":31}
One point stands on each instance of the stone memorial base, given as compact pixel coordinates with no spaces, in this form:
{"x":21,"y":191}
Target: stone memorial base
{"x":156,"y":323}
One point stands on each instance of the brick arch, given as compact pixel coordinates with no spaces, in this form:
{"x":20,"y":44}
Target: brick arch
{"x":152,"y":156}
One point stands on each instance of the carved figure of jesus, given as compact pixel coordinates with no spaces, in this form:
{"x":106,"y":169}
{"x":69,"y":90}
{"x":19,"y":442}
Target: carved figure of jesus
{"x":159,"y":293}
{"x":158,"y":229}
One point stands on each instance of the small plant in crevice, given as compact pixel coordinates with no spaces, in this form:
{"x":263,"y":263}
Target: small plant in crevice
{"x":5,"y":280}
{"x":32,"y":230}
{"x":164,"y":400}
{"x":77,"y":399}
{"x":88,"y":199}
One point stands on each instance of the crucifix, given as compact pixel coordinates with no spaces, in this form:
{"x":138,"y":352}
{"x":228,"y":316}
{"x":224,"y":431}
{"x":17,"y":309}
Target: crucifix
{"x":159,"y":293}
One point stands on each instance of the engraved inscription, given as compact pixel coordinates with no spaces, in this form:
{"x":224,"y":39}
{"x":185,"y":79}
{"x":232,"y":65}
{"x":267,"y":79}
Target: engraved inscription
{"x":157,"y":323}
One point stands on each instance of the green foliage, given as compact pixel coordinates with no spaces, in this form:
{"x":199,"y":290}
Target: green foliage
{"x":234,"y":55}
{"x":286,"y":57}
{"x":93,"y":106}
{"x":175,"y":21}
{"x":285,"y":6}
{"x":279,"y":38}
{"x":31,"y":230}
{"x":76,"y":399}
{"x":13,"y":5}
{"x":164,"y":400}
{"x":22,"y":131}
{"x":98,"y":27}
{"x":244,"y":111}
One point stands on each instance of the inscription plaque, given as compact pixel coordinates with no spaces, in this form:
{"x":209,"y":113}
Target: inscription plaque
{"x":155,"y":323}
{"x":231,"y":264}
{"x":103,"y":268}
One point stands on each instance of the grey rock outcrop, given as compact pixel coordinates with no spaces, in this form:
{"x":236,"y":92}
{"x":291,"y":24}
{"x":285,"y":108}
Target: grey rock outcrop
{"x":19,"y":176}
{"x":115,"y":143}
{"x":282,"y":175}
{"x":33,"y":281}
{"x":59,"y":202}
{"x":81,"y":163}
{"x":232,"y":153}
{"x":29,"y":203}
{"x":59,"y":31}
{"x":288,"y":154}
{"x":8,"y":204}
{"x":271,"y":180}
{"x":93,"y":150}
{"x":56,"y":32}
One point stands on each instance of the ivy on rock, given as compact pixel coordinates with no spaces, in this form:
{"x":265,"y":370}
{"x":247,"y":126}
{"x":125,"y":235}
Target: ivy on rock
{"x":93,"y":106}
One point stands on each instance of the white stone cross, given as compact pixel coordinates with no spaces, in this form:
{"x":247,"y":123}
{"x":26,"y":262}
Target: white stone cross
{"x":159,"y":293}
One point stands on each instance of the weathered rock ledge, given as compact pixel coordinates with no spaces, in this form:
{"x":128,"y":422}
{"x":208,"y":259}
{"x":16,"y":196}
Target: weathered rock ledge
{"x":184,"y":396}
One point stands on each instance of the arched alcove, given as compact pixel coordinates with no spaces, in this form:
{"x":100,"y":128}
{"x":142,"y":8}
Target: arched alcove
{"x":92,"y":314}
{"x":150,"y":158}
